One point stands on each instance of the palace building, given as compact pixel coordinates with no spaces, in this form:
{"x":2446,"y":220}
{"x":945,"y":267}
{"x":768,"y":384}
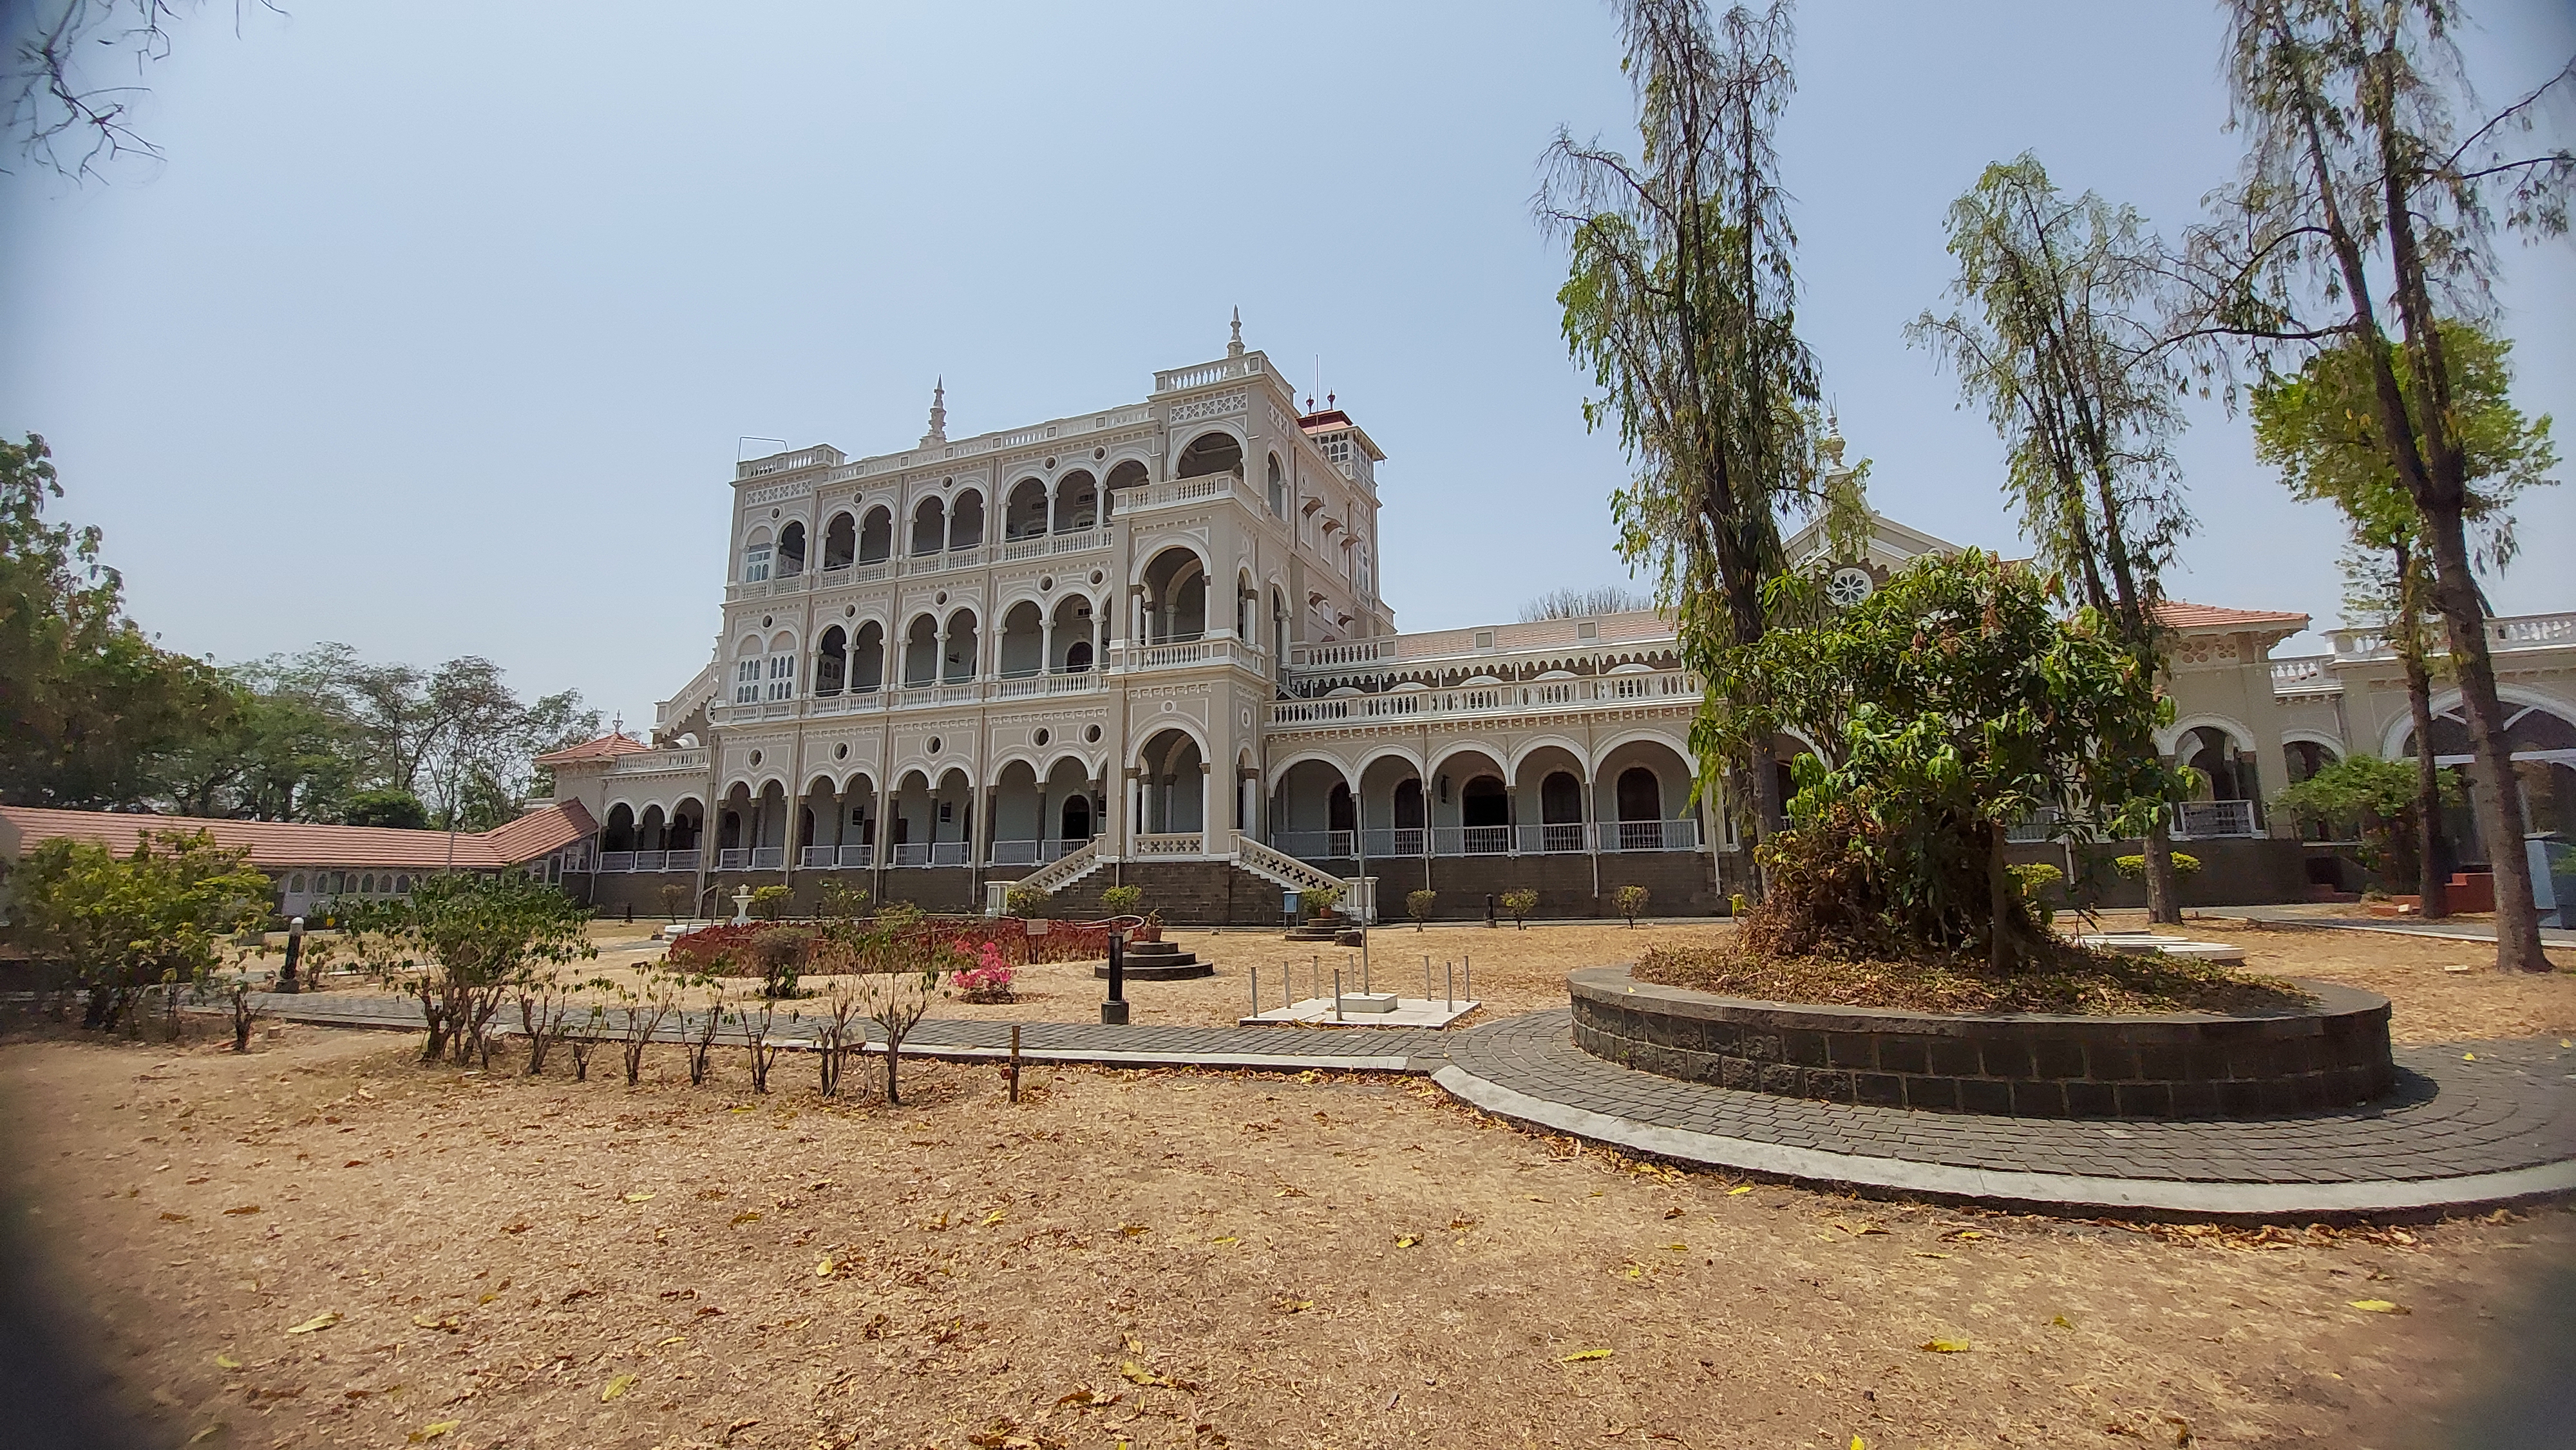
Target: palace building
{"x":1146,"y":644}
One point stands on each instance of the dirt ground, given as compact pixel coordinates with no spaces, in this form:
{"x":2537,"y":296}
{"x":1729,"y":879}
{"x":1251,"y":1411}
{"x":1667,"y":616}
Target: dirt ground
{"x":1154,"y":1259}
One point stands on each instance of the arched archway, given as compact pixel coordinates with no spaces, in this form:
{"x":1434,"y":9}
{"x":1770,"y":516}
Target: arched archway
{"x":1214,"y":451}
{"x":966,"y":522}
{"x":1127,"y":473}
{"x":619,"y":832}
{"x":831,"y":662}
{"x":1175,"y":596}
{"x":1171,"y":778}
{"x":876,"y":536}
{"x":921,"y":653}
{"x":1642,"y":797}
{"x":1070,"y":645}
{"x":961,"y":657}
{"x":840,"y":541}
{"x":791,"y":549}
{"x":1022,"y":651}
{"x":1024,"y":514}
{"x":1077,"y":502}
{"x":929,"y":527}
{"x":867,"y":659}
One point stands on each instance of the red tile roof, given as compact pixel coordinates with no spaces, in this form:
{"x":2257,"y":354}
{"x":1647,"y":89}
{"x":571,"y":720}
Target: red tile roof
{"x":606,"y":747}
{"x":2180,"y":614}
{"x":296,"y":843}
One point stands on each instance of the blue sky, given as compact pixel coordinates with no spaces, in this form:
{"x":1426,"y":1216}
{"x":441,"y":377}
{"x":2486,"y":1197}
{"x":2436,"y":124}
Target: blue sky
{"x":437,"y":329}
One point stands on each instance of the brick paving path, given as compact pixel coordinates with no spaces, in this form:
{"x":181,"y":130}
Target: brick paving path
{"x":2456,"y":1132}
{"x":2445,"y":930}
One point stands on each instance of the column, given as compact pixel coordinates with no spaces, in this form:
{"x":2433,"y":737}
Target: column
{"x":1207,"y":804}
{"x":1046,"y":644}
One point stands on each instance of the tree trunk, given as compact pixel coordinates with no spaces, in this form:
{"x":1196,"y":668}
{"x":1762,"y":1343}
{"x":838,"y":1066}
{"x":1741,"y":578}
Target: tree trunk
{"x":1999,"y":903}
{"x":2432,"y":870}
{"x":2494,"y":793}
{"x":2164,"y":899}
{"x":1767,"y":810}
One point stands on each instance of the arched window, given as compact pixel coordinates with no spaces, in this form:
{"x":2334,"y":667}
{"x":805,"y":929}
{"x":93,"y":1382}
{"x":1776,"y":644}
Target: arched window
{"x":830,"y":664}
{"x":966,"y":522}
{"x":1211,"y":453}
{"x":840,"y":541}
{"x":1641,"y":795}
{"x":1408,"y":806}
{"x":929,"y":527}
{"x":1077,"y":503}
{"x":1025,"y":515}
{"x":1077,"y":818}
{"x":867,"y":659}
{"x":876,"y":536}
{"x":1077,"y":657}
{"x":1128,"y":474}
{"x":1278,"y":489}
{"x":755,"y":557}
{"x":295,"y":883}
{"x":1560,"y":799}
{"x":746,"y":673}
{"x":782,"y":668}
{"x":791,"y":549}
{"x":1484,"y":803}
{"x":961,"y":661}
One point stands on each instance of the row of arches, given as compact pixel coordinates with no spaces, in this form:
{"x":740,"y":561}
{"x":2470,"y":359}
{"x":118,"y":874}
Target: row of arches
{"x":933,"y":650}
{"x":1549,"y":800}
{"x":1075,"y":502}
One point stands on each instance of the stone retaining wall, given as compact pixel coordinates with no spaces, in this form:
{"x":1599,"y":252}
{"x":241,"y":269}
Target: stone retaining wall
{"x":2331,"y":1054}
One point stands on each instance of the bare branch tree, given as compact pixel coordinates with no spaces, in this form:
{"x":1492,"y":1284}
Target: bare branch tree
{"x":1573,"y":603}
{"x":52,"y":107}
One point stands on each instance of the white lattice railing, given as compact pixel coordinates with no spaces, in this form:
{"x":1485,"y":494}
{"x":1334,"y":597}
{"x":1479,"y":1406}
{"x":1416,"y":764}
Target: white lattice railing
{"x":1279,"y":868}
{"x":1171,"y":843}
{"x":1065,"y":870}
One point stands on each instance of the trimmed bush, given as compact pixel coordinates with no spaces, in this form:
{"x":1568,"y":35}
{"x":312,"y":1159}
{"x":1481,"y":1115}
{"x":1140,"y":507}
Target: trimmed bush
{"x":2135,"y":867}
{"x":1419,"y":904}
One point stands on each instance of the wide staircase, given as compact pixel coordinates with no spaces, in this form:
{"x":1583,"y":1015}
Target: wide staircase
{"x":1246,"y":891}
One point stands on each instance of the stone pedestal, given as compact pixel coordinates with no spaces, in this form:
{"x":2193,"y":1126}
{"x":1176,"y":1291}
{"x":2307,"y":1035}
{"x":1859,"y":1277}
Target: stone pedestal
{"x":1158,"y":961}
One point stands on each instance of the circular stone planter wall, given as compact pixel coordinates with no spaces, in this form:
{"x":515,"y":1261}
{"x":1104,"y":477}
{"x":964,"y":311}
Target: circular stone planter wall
{"x":2332,"y":1053}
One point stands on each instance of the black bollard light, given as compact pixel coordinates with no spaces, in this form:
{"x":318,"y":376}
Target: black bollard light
{"x":1489,"y":908}
{"x":1113,"y":1013}
{"x":294,"y":953}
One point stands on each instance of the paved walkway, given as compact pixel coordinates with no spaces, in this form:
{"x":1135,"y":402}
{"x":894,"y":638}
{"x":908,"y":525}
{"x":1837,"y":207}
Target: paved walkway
{"x":2445,"y":930}
{"x":2469,"y":1124}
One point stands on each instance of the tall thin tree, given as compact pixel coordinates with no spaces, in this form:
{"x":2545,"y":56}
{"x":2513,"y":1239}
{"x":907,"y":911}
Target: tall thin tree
{"x":2360,"y":197}
{"x":2058,"y":334}
{"x":2321,"y":428}
{"x":1681,"y":300}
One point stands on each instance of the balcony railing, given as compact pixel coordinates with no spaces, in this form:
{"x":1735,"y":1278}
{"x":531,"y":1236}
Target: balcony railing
{"x":930,"y":853}
{"x":836,"y":858}
{"x":1044,"y":546}
{"x":2205,"y":820}
{"x":769,"y":858}
{"x":1171,"y":843}
{"x":737,"y":860}
{"x":2507,"y":632}
{"x":621,"y":862}
{"x":1030,"y":853}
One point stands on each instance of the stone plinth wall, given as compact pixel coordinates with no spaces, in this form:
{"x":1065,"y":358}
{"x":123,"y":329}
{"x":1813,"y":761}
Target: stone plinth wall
{"x":2331,"y":1054}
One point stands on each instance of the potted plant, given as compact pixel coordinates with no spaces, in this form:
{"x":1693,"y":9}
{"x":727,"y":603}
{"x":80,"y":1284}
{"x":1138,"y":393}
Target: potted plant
{"x":1152,"y":929}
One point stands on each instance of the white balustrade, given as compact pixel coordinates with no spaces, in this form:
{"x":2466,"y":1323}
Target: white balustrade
{"x":733,"y":860}
{"x":1171,"y":843}
{"x":768,"y":858}
{"x":2205,"y":820}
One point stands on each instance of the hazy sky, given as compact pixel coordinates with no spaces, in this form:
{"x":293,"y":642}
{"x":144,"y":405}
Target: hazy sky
{"x":437,"y":331}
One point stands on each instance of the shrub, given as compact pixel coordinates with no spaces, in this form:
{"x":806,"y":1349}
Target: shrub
{"x":769,"y":901}
{"x":123,"y":924}
{"x":2135,"y":867}
{"x":387,"y":807}
{"x":1418,"y":905}
{"x":1122,"y":900}
{"x":674,"y":897}
{"x":780,"y":952}
{"x":2034,"y":881}
{"x":842,"y":901}
{"x":1024,"y":901}
{"x":461,"y":944}
{"x":1520,"y":903}
{"x":1630,"y":900}
{"x":989,"y":979}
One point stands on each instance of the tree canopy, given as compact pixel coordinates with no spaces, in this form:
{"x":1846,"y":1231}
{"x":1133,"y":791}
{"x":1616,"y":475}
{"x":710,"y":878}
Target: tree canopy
{"x":124,"y":923}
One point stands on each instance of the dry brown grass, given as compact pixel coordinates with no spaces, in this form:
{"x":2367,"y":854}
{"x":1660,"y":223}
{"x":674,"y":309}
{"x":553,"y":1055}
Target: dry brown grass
{"x":1209,"y":1259}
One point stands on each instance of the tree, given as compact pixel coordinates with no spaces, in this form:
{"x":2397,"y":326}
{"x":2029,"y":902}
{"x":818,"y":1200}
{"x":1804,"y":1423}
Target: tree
{"x":90,"y":708}
{"x":1419,"y":905}
{"x":462,"y":945}
{"x":386,"y":807}
{"x":1681,"y":301}
{"x":1631,"y":900}
{"x":2358,"y":186}
{"x":124,"y":923}
{"x":2320,"y":426}
{"x":2379,"y":797}
{"x":2059,"y":337}
{"x":1972,"y":706}
{"x":1520,"y":902}
{"x":1571,"y":603}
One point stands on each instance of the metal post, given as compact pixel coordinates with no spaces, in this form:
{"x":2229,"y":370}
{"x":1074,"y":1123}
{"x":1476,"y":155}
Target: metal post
{"x":1015,"y":1062}
{"x":1337,"y":994}
{"x":1256,"y":991}
{"x":1489,"y":908}
{"x":1471,"y":978}
{"x":1113,"y":1013}
{"x":1449,"y":987}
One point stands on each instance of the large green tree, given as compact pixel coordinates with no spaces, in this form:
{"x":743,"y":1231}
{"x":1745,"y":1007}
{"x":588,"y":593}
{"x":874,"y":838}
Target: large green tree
{"x":2364,"y":216}
{"x":2059,"y":335}
{"x":2321,"y":427}
{"x":461,"y":944}
{"x":1681,"y":299}
{"x":91,"y":710}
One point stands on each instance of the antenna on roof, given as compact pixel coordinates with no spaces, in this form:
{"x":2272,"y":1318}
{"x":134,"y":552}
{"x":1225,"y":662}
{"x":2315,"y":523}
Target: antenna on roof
{"x":1319,"y":383}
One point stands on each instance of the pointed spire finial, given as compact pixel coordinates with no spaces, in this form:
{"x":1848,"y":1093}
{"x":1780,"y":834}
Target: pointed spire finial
{"x":1235,"y":348}
{"x":617,"y":723}
{"x":938,"y":415}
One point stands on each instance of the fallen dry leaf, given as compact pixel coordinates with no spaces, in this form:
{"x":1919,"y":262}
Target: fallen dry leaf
{"x":1946,"y":1346}
{"x":639,"y":1198}
{"x":1580,"y":1355}
{"x":1406,"y":1241}
{"x":433,"y":1432}
{"x":2380,"y":1306}
{"x":617,"y":1386}
{"x":1743,"y":1188}
{"x":226,"y":1361}
{"x":244,"y":1208}
{"x":446,"y":1322}
{"x":1135,"y":1373}
{"x":316,"y":1324}
{"x":996,"y":1216}
{"x":169,"y":1217}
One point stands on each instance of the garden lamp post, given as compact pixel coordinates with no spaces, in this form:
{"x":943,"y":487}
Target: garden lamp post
{"x":294,"y":954}
{"x":1113,"y":1013}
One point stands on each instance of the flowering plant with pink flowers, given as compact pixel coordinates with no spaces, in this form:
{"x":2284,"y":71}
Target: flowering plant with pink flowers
{"x":989,"y":979}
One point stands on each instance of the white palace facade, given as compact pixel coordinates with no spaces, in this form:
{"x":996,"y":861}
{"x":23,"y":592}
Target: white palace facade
{"x":1147,"y":644}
